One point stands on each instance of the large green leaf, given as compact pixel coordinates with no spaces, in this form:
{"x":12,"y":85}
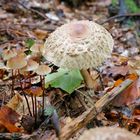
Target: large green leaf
{"x":67,"y":80}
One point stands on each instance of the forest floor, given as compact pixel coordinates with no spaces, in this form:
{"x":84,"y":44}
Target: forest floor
{"x":26,"y":23}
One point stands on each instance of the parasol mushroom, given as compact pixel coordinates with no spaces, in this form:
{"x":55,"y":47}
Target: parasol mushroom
{"x":79,"y":45}
{"x":108,"y":133}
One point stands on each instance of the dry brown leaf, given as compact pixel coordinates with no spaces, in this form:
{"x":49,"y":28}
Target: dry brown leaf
{"x":14,"y":102}
{"x":40,"y":34}
{"x":135,"y":64}
{"x":119,"y":70}
{"x":8,"y":119}
{"x":129,"y":95}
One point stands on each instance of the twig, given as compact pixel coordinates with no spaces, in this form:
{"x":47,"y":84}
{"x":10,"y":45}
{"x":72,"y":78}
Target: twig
{"x":86,"y":117}
{"x":118,"y":16}
{"x":86,"y":96}
{"x":81,"y":100}
{"x":33,"y":10}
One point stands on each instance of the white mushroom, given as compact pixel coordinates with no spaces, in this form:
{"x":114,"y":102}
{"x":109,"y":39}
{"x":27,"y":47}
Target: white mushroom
{"x":79,"y":45}
{"x":108,"y":133}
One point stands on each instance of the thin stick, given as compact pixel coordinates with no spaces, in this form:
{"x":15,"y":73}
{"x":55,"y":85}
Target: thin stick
{"x":86,"y":117}
{"x":43,"y":96}
{"x":33,"y":10}
{"x":33,"y":105}
{"x":118,"y":16}
{"x":86,"y":96}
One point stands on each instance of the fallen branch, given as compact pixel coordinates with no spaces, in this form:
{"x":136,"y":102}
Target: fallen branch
{"x":122,"y":15}
{"x":86,"y":117}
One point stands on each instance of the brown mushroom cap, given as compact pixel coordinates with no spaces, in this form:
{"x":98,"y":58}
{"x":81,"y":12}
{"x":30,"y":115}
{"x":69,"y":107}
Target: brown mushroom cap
{"x":35,"y":91}
{"x":79,"y":45}
{"x":43,"y":69}
{"x":31,"y":65}
{"x":38,"y":48}
{"x":17,"y":62}
{"x":7,"y":54}
{"x":108,"y":133}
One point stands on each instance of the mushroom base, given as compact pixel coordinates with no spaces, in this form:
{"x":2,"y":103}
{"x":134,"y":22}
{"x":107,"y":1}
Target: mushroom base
{"x":90,"y":83}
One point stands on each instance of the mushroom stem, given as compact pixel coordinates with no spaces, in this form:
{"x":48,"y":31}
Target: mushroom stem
{"x":24,"y":94}
{"x":43,"y":96}
{"x":36,"y":115}
{"x":87,"y":78}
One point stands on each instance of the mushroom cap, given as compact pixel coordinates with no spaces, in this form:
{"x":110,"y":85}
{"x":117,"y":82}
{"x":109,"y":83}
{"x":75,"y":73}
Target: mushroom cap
{"x":31,"y":65}
{"x":108,"y":133}
{"x":79,"y":45}
{"x":43,"y":69}
{"x":17,"y":62}
{"x":34,"y":90}
{"x":7,"y":54}
{"x":38,"y":48}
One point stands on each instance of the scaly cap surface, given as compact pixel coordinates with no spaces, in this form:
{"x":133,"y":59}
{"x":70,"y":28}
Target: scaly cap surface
{"x":79,"y":45}
{"x":108,"y":133}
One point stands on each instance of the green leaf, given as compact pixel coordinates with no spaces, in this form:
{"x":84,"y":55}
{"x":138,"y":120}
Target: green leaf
{"x":67,"y":80}
{"x":29,"y":42}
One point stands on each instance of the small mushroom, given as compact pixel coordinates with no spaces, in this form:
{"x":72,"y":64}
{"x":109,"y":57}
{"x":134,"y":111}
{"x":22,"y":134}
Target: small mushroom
{"x":42,"y":70}
{"x":8,"y":53}
{"x":31,"y":65}
{"x":108,"y":133}
{"x":34,"y":91}
{"x":38,"y":48}
{"x":79,"y":45}
{"x":17,"y":62}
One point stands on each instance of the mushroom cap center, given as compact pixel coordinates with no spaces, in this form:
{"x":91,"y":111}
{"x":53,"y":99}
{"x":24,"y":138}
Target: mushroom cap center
{"x":78,"y":31}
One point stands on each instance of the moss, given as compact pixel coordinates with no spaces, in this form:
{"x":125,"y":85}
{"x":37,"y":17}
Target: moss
{"x":131,"y":5}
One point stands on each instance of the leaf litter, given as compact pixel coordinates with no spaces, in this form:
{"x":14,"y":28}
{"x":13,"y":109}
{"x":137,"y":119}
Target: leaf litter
{"x":24,"y":24}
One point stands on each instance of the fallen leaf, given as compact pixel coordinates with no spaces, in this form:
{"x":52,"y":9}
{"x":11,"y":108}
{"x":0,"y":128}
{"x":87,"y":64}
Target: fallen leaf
{"x":8,"y":118}
{"x":129,"y":95}
{"x":64,"y":79}
{"x":118,"y":70}
{"x":14,"y":102}
{"x":40,"y":34}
